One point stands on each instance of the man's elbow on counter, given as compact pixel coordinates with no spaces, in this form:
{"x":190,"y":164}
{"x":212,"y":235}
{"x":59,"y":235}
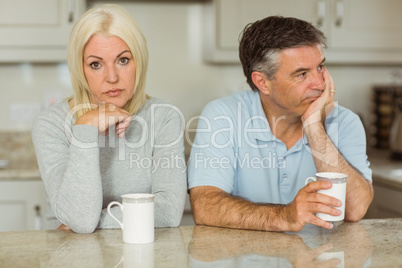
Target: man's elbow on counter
{"x":354,"y":217}
{"x":356,"y":214}
{"x":198,"y":207}
{"x":198,"y":217}
{"x":197,"y":220}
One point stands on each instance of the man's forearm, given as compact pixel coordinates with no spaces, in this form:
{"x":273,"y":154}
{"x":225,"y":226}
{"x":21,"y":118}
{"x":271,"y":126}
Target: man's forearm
{"x":327,"y":158}
{"x":217,"y":208}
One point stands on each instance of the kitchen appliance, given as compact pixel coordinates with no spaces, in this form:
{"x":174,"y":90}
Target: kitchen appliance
{"x":396,"y":132}
{"x":384,"y":115}
{"x":3,"y":163}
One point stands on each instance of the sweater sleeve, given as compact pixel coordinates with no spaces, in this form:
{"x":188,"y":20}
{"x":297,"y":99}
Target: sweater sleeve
{"x":169,"y":182}
{"x":68,"y":159}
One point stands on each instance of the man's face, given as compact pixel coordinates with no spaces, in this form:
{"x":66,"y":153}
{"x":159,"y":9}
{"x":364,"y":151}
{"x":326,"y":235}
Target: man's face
{"x":298,"y":81}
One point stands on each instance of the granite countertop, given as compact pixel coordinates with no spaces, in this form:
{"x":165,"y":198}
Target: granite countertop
{"x":386,"y":172}
{"x":368,"y":243}
{"x":18,"y":154}
{"x":18,"y":174}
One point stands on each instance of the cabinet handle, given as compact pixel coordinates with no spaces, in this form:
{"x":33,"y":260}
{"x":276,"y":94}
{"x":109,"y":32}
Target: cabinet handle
{"x":321,"y":13}
{"x":38,"y":218}
{"x":71,"y":11}
{"x":339,"y":13}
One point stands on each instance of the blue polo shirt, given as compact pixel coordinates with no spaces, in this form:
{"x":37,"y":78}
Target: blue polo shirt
{"x":236,"y":151}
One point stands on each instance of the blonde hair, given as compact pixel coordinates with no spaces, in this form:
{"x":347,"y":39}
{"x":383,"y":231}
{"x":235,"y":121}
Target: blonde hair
{"x":112,"y":20}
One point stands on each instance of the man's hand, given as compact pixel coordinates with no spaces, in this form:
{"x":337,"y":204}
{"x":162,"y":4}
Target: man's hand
{"x":213,"y":206}
{"x":328,"y":158}
{"x":307,"y":202}
{"x":322,"y":106}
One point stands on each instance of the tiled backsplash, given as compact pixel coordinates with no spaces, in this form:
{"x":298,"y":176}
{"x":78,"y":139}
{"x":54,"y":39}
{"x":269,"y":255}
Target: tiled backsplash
{"x":17,"y":148}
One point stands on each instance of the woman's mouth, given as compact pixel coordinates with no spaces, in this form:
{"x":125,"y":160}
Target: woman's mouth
{"x":113,"y":92}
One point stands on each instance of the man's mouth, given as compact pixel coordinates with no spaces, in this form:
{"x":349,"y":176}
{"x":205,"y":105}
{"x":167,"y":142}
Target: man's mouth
{"x":313,"y":96}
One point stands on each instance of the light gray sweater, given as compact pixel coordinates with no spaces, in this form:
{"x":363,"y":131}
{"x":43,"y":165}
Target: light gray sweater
{"x":84,"y":171}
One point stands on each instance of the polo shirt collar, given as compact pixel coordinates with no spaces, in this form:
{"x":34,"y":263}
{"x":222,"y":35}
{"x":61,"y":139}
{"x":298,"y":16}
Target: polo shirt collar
{"x":260,"y":121}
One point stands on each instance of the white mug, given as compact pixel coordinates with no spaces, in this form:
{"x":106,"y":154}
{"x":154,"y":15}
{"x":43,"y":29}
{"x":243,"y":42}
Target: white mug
{"x":338,"y":190}
{"x":326,"y":256}
{"x":138,"y":218}
{"x":137,"y":256}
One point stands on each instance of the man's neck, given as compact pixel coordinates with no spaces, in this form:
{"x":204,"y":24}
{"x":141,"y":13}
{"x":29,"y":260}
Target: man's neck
{"x":284,"y":126}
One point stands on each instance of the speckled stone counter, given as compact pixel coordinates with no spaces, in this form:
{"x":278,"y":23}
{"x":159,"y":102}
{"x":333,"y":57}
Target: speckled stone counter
{"x":368,"y":243}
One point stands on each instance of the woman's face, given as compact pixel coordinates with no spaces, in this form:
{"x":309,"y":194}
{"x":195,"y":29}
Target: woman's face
{"x":109,"y":69}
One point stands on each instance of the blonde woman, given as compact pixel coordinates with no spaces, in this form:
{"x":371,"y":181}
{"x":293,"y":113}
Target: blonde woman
{"x":109,"y":138}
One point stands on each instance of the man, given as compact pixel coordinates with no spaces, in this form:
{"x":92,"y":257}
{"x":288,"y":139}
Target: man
{"x":253,"y":151}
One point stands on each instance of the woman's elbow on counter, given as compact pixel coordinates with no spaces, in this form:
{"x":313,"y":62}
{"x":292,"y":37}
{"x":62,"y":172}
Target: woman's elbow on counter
{"x":172,"y":220}
{"x":82,"y":226}
{"x":84,"y":229}
{"x":173,"y":223}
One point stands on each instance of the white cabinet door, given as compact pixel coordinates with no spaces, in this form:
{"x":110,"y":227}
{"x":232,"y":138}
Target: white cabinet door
{"x":36,"y":30}
{"x":226,"y":19}
{"x":365,"y":31}
{"x":22,"y":205}
{"x":236,"y":14}
{"x":366,"y":24}
{"x":358,"y":31}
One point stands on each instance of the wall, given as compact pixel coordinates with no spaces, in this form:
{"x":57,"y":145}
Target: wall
{"x":177,"y":72}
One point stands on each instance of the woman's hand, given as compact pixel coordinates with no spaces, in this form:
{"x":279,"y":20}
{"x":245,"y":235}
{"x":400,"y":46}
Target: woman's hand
{"x":104,"y":116}
{"x":63,"y":227}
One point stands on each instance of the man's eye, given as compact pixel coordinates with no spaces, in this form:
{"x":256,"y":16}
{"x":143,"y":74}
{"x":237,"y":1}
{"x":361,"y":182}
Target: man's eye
{"x":301,"y":74}
{"x":321,"y":67}
{"x":124,"y":61}
{"x":95,"y":65}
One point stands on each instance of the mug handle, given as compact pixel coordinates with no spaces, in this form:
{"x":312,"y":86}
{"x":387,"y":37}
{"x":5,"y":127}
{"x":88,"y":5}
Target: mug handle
{"x":120,"y":262}
{"x":310,"y":179}
{"x":110,"y":213}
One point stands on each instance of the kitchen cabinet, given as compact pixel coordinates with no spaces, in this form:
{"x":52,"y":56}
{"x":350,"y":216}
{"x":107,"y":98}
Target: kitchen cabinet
{"x":387,"y":184}
{"x":22,"y":205}
{"x":37,"y":30}
{"x":358,"y":31}
{"x":386,"y":203}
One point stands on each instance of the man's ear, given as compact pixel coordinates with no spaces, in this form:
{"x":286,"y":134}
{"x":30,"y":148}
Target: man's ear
{"x":261,"y":81}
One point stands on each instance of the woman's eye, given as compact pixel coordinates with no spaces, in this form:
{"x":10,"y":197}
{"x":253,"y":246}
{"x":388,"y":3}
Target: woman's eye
{"x":124,"y":61}
{"x":95,"y":65}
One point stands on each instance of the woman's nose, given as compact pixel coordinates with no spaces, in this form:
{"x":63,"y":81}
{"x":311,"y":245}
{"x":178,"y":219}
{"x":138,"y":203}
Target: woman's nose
{"x":112,"y":74}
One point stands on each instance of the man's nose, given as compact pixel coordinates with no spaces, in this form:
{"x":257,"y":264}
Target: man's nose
{"x":318,"y":81}
{"x":112,"y":74}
